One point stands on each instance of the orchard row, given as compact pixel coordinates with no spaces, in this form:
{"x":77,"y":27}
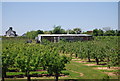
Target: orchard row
{"x":53,"y":56}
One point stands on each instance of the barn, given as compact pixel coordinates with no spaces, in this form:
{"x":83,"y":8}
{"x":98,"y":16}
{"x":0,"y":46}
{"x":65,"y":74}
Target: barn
{"x":66,"y":37}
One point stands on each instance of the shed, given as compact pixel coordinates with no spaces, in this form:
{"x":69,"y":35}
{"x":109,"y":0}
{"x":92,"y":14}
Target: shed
{"x":66,"y":37}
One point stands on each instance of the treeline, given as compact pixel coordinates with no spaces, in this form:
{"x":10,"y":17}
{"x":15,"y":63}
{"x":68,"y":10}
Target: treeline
{"x":99,"y":32}
{"x":56,"y":30}
{"x":59,"y":30}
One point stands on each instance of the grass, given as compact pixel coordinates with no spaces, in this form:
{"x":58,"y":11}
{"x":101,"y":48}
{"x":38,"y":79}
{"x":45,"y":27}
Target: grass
{"x":15,"y":73}
{"x":73,"y":71}
{"x":109,"y":70}
{"x":111,"y":77}
{"x":35,"y":72}
{"x":88,"y":72}
{"x":99,"y":66}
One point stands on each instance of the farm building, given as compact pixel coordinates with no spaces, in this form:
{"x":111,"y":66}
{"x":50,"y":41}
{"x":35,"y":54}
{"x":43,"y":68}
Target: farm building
{"x":10,"y":33}
{"x":66,"y":37}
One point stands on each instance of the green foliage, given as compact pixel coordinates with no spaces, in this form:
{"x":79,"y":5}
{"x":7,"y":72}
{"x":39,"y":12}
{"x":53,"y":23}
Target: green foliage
{"x":33,"y":34}
{"x":70,"y":31}
{"x":117,"y":32}
{"x":97,"y":32}
{"x":57,"y":63}
{"x":77,"y":30}
{"x":45,"y":42}
{"x":109,"y":33}
{"x":54,"y":56}
{"x":100,"y":49}
{"x":28,"y":57}
{"x":58,"y":30}
{"x":76,"y":69}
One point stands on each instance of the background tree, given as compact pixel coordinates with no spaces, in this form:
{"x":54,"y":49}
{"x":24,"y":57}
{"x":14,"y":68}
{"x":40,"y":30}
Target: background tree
{"x":77,"y":30}
{"x":69,"y":31}
{"x":117,"y":32}
{"x":48,"y":32}
{"x":110,"y":33}
{"x":58,"y":30}
{"x":98,"y":32}
{"x":95,"y":32}
{"x":40,"y":32}
{"x":33,"y":34}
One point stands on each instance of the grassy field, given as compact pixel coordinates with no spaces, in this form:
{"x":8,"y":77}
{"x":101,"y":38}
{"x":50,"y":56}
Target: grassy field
{"x":74,"y":70}
{"x":83,"y":72}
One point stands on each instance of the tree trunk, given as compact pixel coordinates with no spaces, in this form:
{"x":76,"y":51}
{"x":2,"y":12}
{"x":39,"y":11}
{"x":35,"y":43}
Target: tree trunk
{"x":3,"y":74}
{"x":76,"y":55}
{"x":89,"y":57}
{"x":56,"y":77}
{"x":28,"y":76}
{"x":97,"y":61}
{"x":44,"y":68}
{"x":3,"y":78}
{"x":108,"y":63}
{"x":71,"y":55}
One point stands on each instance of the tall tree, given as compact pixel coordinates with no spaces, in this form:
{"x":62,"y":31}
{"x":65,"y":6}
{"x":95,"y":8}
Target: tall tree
{"x":95,"y":32}
{"x":58,"y":30}
{"x":77,"y":30}
{"x":98,"y":32}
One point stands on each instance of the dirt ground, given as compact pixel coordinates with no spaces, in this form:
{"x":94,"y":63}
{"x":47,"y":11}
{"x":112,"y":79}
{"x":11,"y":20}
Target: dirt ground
{"x":81,"y":61}
{"x":106,"y":68}
{"x":111,"y":73}
{"x":90,"y":64}
{"x":101,"y":68}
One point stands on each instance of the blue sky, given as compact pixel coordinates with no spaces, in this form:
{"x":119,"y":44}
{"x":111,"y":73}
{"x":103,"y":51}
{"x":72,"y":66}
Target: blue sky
{"x":28,"y":16}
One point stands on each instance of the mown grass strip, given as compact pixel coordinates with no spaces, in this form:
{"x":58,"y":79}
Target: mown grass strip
{"x":88,"y":72}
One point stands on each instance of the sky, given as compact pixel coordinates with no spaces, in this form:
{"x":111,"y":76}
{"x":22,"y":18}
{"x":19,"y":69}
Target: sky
{"x":28,"y":16}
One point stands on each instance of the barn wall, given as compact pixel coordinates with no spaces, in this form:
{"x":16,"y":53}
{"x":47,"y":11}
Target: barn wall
{"x":67,"y":38}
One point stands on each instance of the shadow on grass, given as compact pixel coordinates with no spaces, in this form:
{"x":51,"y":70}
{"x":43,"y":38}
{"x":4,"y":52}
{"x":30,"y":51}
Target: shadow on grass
{"x":35,"y":75}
